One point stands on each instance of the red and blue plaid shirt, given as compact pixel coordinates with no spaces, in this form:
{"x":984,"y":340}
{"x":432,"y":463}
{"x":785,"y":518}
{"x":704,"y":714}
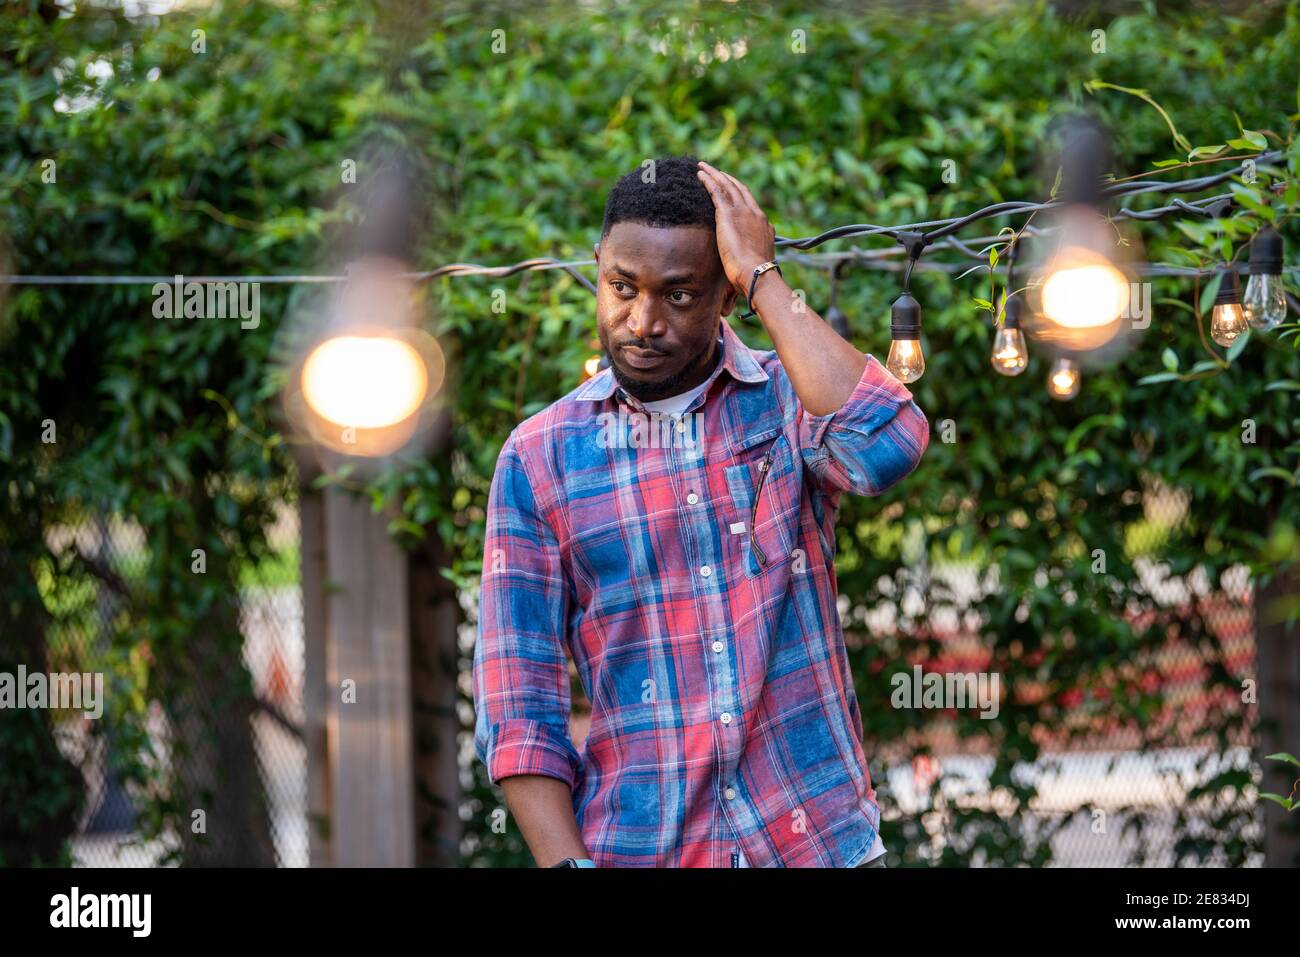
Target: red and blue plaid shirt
{"x":689,"y":572}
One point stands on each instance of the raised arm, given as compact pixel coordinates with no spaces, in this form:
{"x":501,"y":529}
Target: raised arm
{"x":823,"y":368}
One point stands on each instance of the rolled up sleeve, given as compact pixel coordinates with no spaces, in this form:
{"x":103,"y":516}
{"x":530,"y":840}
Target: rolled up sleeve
{"x":521,"y":675}
{"x":872,"y":442}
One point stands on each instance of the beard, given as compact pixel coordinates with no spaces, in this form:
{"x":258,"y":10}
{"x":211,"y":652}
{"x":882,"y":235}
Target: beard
{"x":656,"y":389}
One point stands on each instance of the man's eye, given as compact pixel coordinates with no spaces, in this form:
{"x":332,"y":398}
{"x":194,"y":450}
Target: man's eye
{"x":616,"y":283}
{"x":681,"y":292}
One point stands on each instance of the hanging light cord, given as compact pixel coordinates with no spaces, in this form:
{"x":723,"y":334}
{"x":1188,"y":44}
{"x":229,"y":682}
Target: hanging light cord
{"x":941,"y":235}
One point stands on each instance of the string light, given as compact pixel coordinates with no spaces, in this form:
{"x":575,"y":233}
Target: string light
{"x":1084,"y":283}
{"x":1265,"y":298}
{"x":834,"y":315}
{"x":906,"y":357}
{"x":1009,"y":356}
{"x":1228,"y":319}
{"x":1064,"y":379}
{"x":1082,"y":286}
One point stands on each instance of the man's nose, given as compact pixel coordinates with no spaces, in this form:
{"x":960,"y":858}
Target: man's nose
{"x":645,"y":321}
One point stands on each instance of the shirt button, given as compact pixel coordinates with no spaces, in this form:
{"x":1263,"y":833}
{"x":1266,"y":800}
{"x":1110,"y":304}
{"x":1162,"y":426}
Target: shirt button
{"x":681,"y":425}
{"x":730,"y":794}
{"x":692,"y":499}
{"x":725,"y":717}
{"x":706,"y":571}
{"x":717,"y":646}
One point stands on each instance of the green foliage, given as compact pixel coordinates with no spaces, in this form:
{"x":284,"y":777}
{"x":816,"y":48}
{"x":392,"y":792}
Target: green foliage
{"x":217,"y":165}
{"x":229,"y":162}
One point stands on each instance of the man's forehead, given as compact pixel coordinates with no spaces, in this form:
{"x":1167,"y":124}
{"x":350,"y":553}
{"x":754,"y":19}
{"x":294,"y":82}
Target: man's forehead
{"x":635,"y":248}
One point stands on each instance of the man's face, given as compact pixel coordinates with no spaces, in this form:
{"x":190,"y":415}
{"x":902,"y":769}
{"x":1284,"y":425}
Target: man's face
{"x":660,"y":295}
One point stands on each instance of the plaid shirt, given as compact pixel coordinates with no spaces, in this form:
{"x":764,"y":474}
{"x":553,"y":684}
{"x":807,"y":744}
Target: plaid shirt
{"x":689,"y":572}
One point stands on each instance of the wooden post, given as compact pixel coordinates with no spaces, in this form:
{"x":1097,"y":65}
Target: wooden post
{"x":367,"y":629}
{"x":356,"y":621}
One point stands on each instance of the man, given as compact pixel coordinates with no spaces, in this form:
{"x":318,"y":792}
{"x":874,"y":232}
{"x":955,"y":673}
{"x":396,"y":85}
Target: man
{"x":691,"y":580}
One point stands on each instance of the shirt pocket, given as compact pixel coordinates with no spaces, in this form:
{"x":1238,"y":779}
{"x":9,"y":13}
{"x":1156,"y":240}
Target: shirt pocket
{"x":764,"y":484}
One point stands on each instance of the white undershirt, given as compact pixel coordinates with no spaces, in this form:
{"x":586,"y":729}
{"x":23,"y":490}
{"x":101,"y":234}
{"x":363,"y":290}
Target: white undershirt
{"x":676,"y":404}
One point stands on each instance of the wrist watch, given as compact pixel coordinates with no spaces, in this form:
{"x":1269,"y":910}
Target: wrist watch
{"x":758,"y":271}
{"x":575,"y":862}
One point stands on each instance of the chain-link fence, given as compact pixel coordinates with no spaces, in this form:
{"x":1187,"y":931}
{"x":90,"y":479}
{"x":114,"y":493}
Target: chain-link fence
{"x":261,"y":759}
{"x":1116,"y":784}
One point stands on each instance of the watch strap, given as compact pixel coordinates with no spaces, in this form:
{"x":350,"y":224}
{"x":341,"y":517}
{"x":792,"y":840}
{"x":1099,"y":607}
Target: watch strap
{"x":758,"y":271}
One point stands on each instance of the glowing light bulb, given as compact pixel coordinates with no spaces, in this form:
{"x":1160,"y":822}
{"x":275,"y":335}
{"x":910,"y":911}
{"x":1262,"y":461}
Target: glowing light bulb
{"x":1228,"y":323}
{"x":591,"y":366}
{"x":906,"y":360}
{"x":1228,"y":320}
{"x":1010,"y":357}
{"x":1083,"y":290}
{"x":1009,"y":354}
{"x":365,"y":382}
{"x":1064,"y":379}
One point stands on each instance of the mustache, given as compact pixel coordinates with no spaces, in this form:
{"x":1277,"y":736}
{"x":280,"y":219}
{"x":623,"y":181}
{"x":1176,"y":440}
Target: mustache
{"x":642,"y":345}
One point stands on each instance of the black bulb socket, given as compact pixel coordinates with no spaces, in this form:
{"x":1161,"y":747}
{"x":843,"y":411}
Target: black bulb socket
{"x":1011,"y":313}
{"x":905,"y":318}
{"x":1266,"y":252}
{"x":1229,"y":288}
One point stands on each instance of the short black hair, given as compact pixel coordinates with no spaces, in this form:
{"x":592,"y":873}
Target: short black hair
{"x":675,"y":197}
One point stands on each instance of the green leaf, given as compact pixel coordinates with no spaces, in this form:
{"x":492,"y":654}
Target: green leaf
{"x":1207,"y":151}
{"x":1236,"y":348}
{"x":1290,"y":385}
{"x":1170,"y":359}
{"x":1159,"y":377}
{"x":1208,"y":292}
{"x":1272,"y":471}
{"x":1283,"y":756}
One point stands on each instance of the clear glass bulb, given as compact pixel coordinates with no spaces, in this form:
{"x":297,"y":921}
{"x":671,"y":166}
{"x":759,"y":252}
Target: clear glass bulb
{"x":1064,"y":380}
{"x":1228,"y":323}
{"x":906,"y":360}
{"x":1264,"y":302}
{"x":1010,"y":357}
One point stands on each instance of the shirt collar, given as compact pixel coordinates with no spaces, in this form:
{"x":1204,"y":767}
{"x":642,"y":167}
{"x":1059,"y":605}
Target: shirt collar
{"x":737,"y":359}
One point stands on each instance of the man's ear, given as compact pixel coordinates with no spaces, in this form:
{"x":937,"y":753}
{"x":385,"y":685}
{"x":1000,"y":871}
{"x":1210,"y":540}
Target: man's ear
{"x":729,"y":300}
{"x":596,"y":249}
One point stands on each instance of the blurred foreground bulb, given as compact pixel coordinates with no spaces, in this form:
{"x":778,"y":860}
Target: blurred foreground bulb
{"x":1265,"y":300}
{"x":1064,"y":379}
{"x":906,"y":360}
{"x":1083,"y":262}
{"x":366,"y":382}
{"x":1083,"y":287}
{"x":1010,"y":357}
{"x":1228,"y":321}
{"x":368,"y":378}
{"x":591,"y":367}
